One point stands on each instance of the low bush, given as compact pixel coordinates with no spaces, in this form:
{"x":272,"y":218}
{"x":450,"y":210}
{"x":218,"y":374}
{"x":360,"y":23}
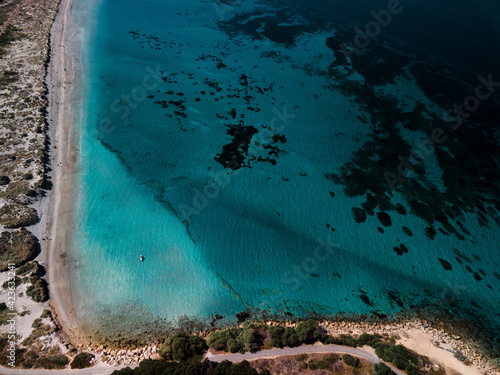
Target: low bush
{"x":382,"y":369}
{"x":301,"y":357}
{"x":192,"y":366}
{"x":82,"y":360}
{"x":396,"y":354}
{"x":17,"y":247}
{"x":460,"y":356}
{"x":51,"y":363}
{"x":38,"y":291}
{"x":349,"y":360}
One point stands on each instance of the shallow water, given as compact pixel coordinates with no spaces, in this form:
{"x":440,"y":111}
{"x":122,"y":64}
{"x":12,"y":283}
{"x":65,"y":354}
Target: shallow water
{"x":229,"y":146}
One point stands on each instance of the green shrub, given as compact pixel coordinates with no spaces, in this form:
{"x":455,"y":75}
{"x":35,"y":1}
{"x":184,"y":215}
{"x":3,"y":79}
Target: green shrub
{"x":459,"y":355}
{"x":349,"y":360}
{"x":302,"y":357}
{"x":39,"y":331}
{"x":17,"y":247}
{"x":411,"y":370}
{"x":38,"y":291}
{"x":82,"y":360}
{"x":313,"y":364}
{"x":123,"y":371}
{"x":30,"y":359}
{"x":366,"y":339}
{"x":37,"y":323}
{"x":51,"y":363}
{"x":345,"y":340}
{"x":382,"y":369}
{"x":227,"y":368}
{"x":396,"y":354}
{"x":330,"y":358}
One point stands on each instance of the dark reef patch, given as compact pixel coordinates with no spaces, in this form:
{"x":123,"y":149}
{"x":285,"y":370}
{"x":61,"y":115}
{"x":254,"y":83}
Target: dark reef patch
{"x":446,"y":265}
{"x":384,"y":219}
{"x":430,"y":232}
{"x":407,"y":231}
{"x":366,"y":300}
{"x":401,"y":249}
{"x":384,"y":167}
{"x":359,"y":215}
{"x":233,"y":154}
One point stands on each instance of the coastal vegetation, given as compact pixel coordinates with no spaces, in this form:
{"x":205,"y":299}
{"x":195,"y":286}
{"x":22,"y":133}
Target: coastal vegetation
{"x":181,"y":347}
{"x":17,"y":247}
{"x":194,"y":365}
{"x":10,"y":34}
{"x":17,"y":215}
{"x":388,"y":351}
{"x":82,"y":360}
{"x":24,"y":52}
{"x":38,"y":290}
{"x":31,"y":273}
{"x":382,"y":369}
{"x":350,"y":360}
{"x":39,"y":330}
{"x":182,"y":353}
{"x":256,"y":336}
{"x":52,"y":362}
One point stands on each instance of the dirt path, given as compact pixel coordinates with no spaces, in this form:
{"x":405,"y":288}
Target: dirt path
{"x":307,"y":349}
{"x":100,"y":369}
{"x":271,"y":353}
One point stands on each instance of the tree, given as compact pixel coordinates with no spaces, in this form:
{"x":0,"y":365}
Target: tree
{"x":227,"y":368}
{"x":290,"y":337}
{"x":248,"y":339}
{"x":307,"y":332}
{"x":219,"y":339}
{"x":181,"y":347}
{"x":276,"y":336}
{"x":382,"y":369}
{"x":233,"y":345}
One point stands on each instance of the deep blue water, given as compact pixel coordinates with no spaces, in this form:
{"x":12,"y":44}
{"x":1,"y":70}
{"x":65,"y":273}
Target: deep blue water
{"x":238,"y":151}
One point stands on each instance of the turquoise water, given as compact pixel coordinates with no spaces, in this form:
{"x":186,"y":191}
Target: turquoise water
{"x":223,"y":148}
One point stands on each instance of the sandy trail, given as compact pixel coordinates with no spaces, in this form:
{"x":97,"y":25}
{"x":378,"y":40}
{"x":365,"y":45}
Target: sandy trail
{"x":421,"y":343}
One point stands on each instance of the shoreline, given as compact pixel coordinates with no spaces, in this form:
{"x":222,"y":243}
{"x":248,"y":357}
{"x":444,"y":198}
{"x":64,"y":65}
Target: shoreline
{"x":60,"y":114}
{"x":417,"y":335}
